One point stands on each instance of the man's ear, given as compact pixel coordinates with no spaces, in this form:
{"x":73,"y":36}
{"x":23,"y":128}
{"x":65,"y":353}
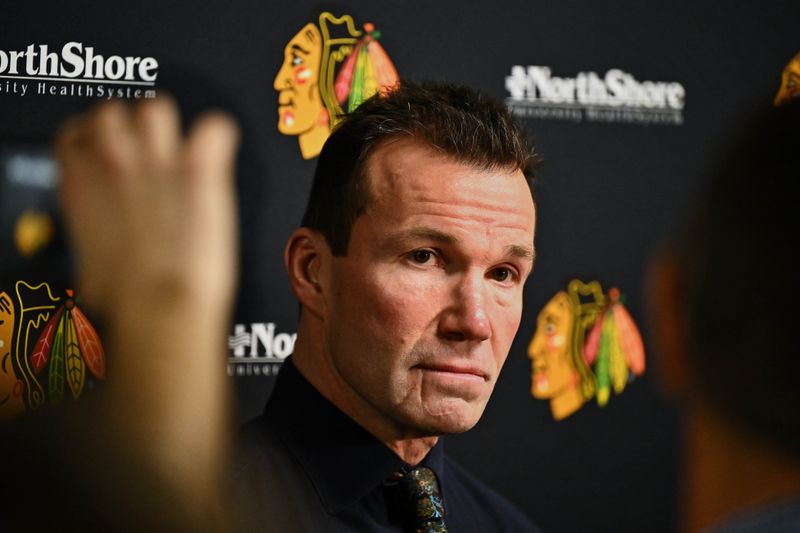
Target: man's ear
{"x":667,"y":323}
{"x":306,"y":257}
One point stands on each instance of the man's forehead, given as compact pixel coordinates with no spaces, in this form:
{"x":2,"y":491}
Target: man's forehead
{"x":409,"y":183}
{"x":388,"y":159}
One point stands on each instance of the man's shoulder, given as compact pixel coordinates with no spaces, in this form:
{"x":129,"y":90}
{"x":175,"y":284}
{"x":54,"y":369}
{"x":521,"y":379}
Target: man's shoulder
{"x":259,"y":449}
{"x":271,"y":489}
{"x":478,"y":506}
{"x":779,"y":517}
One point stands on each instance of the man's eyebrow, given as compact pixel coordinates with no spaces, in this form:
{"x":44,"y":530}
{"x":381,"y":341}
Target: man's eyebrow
{"x":521,"y":252}
{"x":433,"y":234}
{"x":427,"y":233}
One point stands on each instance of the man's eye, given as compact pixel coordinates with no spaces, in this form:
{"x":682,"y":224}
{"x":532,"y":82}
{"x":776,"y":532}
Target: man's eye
{"x":297,"y":60}
{"x":421,"y":256}
{"x":501,"y":274}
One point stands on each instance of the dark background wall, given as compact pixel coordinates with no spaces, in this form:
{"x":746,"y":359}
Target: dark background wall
{"x":608,"y":192}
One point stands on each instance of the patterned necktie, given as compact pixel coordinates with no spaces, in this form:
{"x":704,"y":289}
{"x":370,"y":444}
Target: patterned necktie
{"x":420,"y":502}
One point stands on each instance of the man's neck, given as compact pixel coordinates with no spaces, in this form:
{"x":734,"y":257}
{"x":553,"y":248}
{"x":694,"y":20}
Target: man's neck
{"x":309,"y":361}
{"x":412,"y":451}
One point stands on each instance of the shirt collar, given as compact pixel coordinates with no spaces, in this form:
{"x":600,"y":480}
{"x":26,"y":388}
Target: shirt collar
{"x":343,"y":461}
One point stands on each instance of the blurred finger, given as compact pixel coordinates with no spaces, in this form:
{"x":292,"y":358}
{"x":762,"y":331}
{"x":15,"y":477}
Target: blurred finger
{"x":212,"y":144}
{"x":67,"y":145}
{"x":158,"y":124}
{"x":70,"y":135}
{"x":70,"y":146}
{"x":110,"y":136}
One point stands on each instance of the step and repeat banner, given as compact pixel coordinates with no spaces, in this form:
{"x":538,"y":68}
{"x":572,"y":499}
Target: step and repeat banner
{"x":627,"y":102}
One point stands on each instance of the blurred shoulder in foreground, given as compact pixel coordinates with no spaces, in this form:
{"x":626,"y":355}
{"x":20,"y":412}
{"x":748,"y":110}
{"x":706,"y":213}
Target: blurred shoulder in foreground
{"x":724,"y":295}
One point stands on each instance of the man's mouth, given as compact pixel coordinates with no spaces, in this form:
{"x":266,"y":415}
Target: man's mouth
{"x":467,"y":372}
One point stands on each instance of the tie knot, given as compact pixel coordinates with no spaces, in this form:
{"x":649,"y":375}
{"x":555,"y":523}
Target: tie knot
{"x":420,"y":502}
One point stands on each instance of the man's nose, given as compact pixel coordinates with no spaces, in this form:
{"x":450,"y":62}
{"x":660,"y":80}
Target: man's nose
{"x":467,"y":317}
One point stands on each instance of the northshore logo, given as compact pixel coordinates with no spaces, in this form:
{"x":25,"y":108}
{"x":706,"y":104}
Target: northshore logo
{"x":615,"y":97}
{"x":76,"y":70}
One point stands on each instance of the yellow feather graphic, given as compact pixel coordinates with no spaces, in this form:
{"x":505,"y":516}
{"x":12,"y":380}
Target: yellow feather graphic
{"x":56,"y":375}
{"x":619,"y":370}
{"x":370,"y":82}
{"x":76,"y":368}
{"x":603,"y":367}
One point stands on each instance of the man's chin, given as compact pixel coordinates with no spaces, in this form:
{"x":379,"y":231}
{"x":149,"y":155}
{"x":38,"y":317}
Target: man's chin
{"x":451,"y":417}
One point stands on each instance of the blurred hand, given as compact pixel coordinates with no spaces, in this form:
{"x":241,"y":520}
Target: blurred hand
{"x":151,"y":217}
{"x":150,"y":214}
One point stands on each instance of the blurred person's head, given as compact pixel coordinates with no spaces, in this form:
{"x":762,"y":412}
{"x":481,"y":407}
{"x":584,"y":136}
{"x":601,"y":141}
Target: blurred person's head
{"x":736,"y":281}
{"x":724,"y":316}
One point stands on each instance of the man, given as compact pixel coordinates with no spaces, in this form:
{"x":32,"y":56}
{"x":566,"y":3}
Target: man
{"x":725,"y":300}
{"x":409,"y":268}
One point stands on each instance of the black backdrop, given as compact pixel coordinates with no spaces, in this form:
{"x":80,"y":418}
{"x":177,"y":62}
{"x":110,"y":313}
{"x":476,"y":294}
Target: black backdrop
{"x":609,"y":190}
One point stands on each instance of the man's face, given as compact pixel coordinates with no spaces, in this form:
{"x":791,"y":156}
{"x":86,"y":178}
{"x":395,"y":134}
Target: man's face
{"x":299,"y":102}
{"x":552,"y":371}
{"x":426,"y":303}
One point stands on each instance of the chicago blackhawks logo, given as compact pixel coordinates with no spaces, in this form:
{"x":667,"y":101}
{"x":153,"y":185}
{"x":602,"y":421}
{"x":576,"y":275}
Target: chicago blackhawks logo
{"x":568,"y":367}
{"x":47,"y":345}
{"x":328,"y":69}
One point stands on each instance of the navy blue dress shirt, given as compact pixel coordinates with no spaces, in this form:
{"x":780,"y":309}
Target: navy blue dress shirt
{"x":306,"y":466}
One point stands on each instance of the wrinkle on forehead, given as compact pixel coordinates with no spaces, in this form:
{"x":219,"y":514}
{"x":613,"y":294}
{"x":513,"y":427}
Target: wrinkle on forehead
{"x":411,"y":185}
{"x":386,"y":161}
{"x":480,"y":212}
{"x":462,"y":211}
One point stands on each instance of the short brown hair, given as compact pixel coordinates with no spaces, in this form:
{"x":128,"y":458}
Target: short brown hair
{"x":458,"y":121}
